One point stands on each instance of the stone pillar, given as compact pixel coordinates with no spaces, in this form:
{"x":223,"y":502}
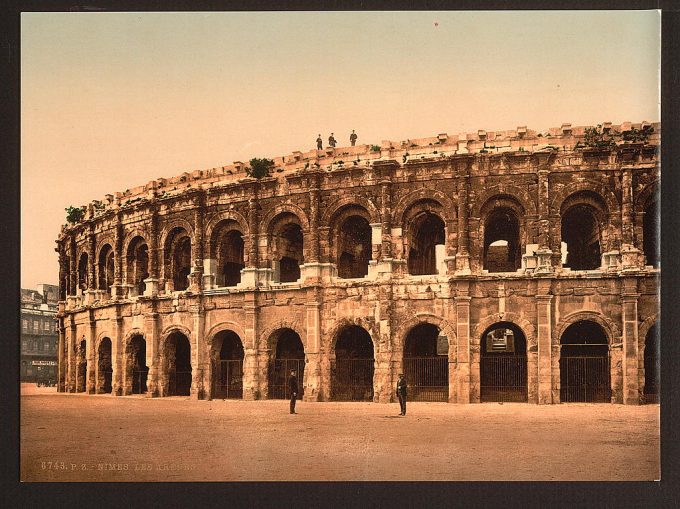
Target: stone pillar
{"x":464,"y":380}
{"x":71,"y":357}
{"x":156,"y":378}
{"x":74,"y":266}
{"x":199,"y":362}
{"x":249,"y":277}
{"x":631,"y":258}
{"x":196,"y":276}
{"x":117,"y":291}
{"x":629,"y":317}
{"x":544,"y":254}
{"x":313,"y":387}
{"x":386,"y":218}
{"x":463,"y":252}
{"x":118,"y":360}
{"x":544,"y":344}
{"x":61,"y":359}
{"x":152,"y":283}
{"x":251,"y":368}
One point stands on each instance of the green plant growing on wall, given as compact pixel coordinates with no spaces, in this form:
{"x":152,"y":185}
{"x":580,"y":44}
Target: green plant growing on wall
{"x":259,"y":167}
{"x":637,"y":135}
{"x":595,"y":137}
{"x":74,"y":214}
{"x":375,"y":148}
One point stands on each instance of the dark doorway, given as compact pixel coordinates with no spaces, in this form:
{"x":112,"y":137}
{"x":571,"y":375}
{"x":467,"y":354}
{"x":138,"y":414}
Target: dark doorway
{"x":106,"y":268}
{"x":105,"y":366}
{"x":651,"y":390}
{"x":181,"y":263}
{"x":83,"y":272}
{"x":354,"y":242}
{"x":136,"y":358}
{"x":581,"y":233}
{"x":178,"y":364}
{"x":352,"y":371}
{"x":289,"y":356}
{"x":426,"y":364}
{"x":427,"y":231}
{"x":228,"y":366}
{"x":290,"y":249}
{"x":584,"y":364}
{"x":230,"y":259}
{"x":650,"y":234}
{"x":503,"y":364}
{"x":502,"y":250}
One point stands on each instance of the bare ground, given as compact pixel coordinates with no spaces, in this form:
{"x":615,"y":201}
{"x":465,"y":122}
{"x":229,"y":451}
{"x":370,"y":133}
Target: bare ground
{"x":74,"y":437}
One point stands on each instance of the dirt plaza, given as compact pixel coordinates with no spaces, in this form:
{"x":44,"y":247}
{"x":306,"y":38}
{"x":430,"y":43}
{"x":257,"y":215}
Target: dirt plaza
{"x":72,"y":437}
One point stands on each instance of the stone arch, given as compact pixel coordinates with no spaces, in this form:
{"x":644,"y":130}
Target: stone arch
{"x":420,"y":318}
{"x":100,"y":337}
{"x":225,"y":215}
{"x":643,"y":329}
{"x":607,"y":196}
{"x":131,"y":334}
{"x":340,"y":204}
{"x":609,"y":327}
{"x":131,"y":235}
{"x":366,"y":324}
{"x":171,"y":225}
{"x":266,"y":337}
{"x":174,"y":328}
{"x":648,"y":194}
{"x":265,"y":223}
{"x":520,"y":196}
{"x":226,"y":325}
{"x":103,"y":241}
{"x":525,"y":325}
{"x":448,"y":209}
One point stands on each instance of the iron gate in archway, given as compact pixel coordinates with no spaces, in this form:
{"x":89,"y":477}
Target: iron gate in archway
{"x":353,"y":380}
{"x":278,"y":377}
{"x":427,"y":378}
{"x":503,"y":378}
{"x":585,"y":379}
{"x":228,"y":379}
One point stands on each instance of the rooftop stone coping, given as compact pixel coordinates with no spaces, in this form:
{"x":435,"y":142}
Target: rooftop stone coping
{"x":527,"y":140}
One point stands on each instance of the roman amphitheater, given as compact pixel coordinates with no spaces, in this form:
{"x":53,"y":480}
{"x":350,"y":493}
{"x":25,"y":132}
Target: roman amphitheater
{"x":492,"y":266}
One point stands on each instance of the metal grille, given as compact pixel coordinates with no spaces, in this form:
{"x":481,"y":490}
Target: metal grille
{"x":278,"y":377}
{"x":108,"y":378}
{"x":179,"y":383}
{"x":353,"y":380}
{"x":503,"y":378}
{"x":651,"y":391}
{"x":427,"y":378}
{"x":585,"y":379}
{"x":228,"y":380}
{"x":139,"y":381}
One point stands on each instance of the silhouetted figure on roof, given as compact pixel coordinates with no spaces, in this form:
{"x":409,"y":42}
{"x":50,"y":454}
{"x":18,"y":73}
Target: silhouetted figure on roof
{"x":353,"y":138}
{"x":331,"y":141}
{"x":319,"y":143}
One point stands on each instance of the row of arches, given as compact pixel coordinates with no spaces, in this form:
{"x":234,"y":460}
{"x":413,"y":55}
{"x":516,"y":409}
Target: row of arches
{"x":584,"y":231}
{"x":584,"y":364}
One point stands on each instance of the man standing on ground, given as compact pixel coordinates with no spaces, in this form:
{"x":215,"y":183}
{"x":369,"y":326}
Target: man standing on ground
{"x":293,"y":388}
{"x":353,"y":138}
{"x":401,"y":393}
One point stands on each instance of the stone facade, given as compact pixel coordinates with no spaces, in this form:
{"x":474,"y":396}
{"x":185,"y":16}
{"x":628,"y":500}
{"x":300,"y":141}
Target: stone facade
{"x":212,"y":255}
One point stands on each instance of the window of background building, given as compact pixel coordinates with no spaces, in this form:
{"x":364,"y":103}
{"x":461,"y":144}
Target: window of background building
{"x":46,"y":346}
{"x":36,"y":325}
{"x":46,"y":326}
{"x":24,"y":345}
{"x":24,"y":324}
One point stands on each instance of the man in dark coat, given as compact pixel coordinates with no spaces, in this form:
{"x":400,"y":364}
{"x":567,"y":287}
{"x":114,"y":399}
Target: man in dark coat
{"x":401,"y":393}
{"x":319,"y":143}
{"x":293,"y":388}
{"x":331,"y":141}
{"x":353,"y":138}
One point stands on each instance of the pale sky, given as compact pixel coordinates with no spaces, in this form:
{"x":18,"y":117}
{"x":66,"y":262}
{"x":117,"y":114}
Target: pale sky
{"x":110,"y":101}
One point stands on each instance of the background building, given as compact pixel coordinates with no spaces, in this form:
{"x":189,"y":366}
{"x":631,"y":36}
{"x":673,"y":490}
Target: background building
{"x":489,"y":266}
{"x":39,"y":336}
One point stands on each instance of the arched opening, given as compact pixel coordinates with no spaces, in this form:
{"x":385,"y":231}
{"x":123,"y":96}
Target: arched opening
{"x":136,"y":364}
{"x":584,"y":364}
{"x":354,"y":247}
{"x":178,"y":259}
{"x":81,"y":372}
{"x":178,"y":364}
{"x":651,"y":361}
{"x":105,"y":268}
{"x":650,"y":234}
{"x":503,"y":364}
{"x":426,"y":233}
{"x":287,"y":240}
{"x":353,"y":366}
{"x":137,"y":265}
{"x":229,"y":250}
{"x":227,"y":356}
{"x":289,"y":356}
{"x":581,"y":233}
{"x":104,"y":366}
{"x":426,"y":363}
{"x":502,"y":249}
{"x":83,"y":280}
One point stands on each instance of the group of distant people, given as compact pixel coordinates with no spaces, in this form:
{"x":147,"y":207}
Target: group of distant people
{"x":401,"y":392}
{"x":332,"y":141}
